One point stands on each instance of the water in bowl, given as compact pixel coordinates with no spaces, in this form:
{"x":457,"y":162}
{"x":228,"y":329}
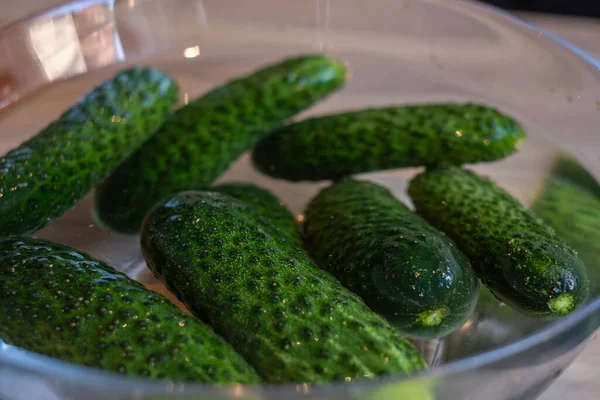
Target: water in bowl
{"x":374,"y":81}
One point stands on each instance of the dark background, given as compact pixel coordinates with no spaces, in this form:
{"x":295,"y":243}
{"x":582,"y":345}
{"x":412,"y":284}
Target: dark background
{"x":586,"y":8}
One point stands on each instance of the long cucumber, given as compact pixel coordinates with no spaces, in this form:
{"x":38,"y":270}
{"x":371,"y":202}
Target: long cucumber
{"x":202,"y":139}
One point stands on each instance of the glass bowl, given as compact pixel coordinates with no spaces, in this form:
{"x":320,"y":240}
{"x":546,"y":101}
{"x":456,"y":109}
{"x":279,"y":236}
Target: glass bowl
{"x":398,"y":51}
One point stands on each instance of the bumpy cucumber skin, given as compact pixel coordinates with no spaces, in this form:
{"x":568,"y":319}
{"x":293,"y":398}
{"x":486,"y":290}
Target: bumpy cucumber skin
{"x":334,"y":146}
{"x":520,"y":259}
{"x":402,"y":267}
{"x":574,"y":213}
{"x":203,"y":138}
{"x":60,"y":302}
{"x":569,"y":202}
{"x":291,"y":320}
{"x":48,"y":174}
{"x":265,"y":203}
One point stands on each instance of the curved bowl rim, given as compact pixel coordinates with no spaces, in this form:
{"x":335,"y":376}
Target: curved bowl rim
{"x":13,"y":356}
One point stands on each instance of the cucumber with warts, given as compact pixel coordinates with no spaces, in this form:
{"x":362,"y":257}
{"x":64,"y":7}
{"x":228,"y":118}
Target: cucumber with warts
{"x":203,"y":138}
{"x":59,"y":302}
{"x":404,"y":268}
{"x":517,"y":256}
{"x":291,"y":320}
{"x":46,"y":175}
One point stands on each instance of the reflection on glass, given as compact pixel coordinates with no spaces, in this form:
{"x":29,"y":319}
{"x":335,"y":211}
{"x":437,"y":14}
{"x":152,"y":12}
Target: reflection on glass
{"x":69,"y":44}
{"x":192,"y":52}
{"x":70,"y":40}
{"x":153,"y":25}
{"x":6,"y":83}
{"x":56,"y":45}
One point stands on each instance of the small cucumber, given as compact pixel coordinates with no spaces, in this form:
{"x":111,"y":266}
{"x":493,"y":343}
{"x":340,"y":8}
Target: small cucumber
{"x":334,"y":146}
{"x":573,"y":210}
{"x":291,"y":320}
{"x":265,"y":203}
{"x":402,"y":267}
{"x":520,"y":259}
{"x":568,"y":169}
{"x":61,"y":303}
{"x":203,"y":138}
{"x":48,"y":174}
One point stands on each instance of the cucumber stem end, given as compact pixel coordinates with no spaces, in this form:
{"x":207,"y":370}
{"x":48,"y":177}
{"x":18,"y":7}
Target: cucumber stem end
{"x":432,"y":317}
{"x":563,"y":304}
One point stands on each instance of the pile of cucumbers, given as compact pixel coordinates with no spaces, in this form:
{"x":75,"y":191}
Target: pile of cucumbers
{"x":271,"y":303}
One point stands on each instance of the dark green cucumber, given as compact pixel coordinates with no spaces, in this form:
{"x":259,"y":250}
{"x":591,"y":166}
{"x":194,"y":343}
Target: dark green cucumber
{"x":60,"y":302}
{"x":568,"y":169}
{"x":403,"y":268}
{"x":519,"y":258}
{"x":203,"y":138}
{"x":335,"y":146}
{"x":291,"y":320}
{"x":265,"y":203}
{"x":48,"y":174}
{"x":567,"y":203}
{"x":574,"y":213}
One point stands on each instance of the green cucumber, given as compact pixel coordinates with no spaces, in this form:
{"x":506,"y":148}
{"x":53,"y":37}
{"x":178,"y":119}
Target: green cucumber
{"x":569,"y":202}
{"x":61,"y":303}
{"x":574,"y":213}
{"x":203,"y":138}
{"x":568,"y":169}
{"x":265,"y":203}
{"x":291,"y":320}
{"x":519,"y":258}
{"x":48,"y":174}
{"x":334,"y":146}
{"x":402,"y":267}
